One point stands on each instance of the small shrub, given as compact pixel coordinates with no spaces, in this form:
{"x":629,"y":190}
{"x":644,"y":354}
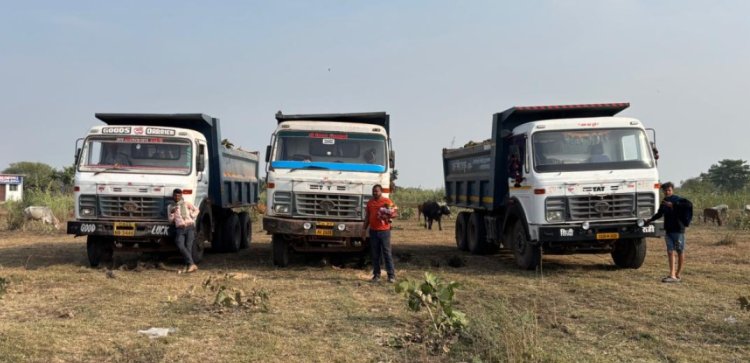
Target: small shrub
{"x":436,"y":297}
{"x":406,"y":213}
{"x":226,"y":296}
{"x":4,"y":282}
{"x":729,"y":239}
{"x":744,"y":303}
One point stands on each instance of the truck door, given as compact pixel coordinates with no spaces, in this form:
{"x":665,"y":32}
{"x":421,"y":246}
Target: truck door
{"x":201,"y":168}
{"x":519,"y":170}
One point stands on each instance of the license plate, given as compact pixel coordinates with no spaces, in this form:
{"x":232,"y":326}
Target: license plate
{"x":324,"y":224}
{"x":324,"y":232}
{"x":607,"y":235}
{"x":124,"y":229}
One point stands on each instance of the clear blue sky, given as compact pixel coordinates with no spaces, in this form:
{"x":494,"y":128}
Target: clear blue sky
{"x":440,"y":68}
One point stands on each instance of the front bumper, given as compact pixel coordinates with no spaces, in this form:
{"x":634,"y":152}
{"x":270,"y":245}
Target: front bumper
{"x":604,"y":232}
{"x":318,"y":229}
{"x":124,"y":230}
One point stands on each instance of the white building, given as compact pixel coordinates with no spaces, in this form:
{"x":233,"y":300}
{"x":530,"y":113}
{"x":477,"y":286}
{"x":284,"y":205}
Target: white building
{"x":11,"y":187}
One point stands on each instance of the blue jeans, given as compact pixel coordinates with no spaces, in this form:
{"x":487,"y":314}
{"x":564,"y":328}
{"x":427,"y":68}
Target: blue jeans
{"x":184,"y":239}
{"x":675,"y":242}
{"x":380,"y":245}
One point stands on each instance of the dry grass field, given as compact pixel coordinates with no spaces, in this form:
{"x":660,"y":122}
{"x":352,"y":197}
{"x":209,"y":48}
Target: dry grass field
{"x":578,"y":308}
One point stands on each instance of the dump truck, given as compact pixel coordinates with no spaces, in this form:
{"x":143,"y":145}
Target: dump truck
{"x":557,"y":180}
{"x":320,"y":172}
{"x":127,"y":170}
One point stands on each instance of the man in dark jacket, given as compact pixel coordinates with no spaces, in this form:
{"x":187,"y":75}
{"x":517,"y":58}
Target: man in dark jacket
{"x":675,"y":231}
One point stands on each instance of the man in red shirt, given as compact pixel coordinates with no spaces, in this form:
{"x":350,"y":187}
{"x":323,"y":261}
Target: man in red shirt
{"x":378,"y":214}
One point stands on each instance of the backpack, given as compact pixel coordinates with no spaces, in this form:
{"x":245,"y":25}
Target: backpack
{"x":684,"y":211}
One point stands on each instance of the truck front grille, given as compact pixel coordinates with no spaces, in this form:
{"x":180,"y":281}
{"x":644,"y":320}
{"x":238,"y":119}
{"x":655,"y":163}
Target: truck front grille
{"x":327,"y":205}
{"x":132,"y":207}
{"x":602,"y":206}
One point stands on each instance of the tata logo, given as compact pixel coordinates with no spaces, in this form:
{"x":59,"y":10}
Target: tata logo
{"x":138,"y":130}
{"x":130,"y":207}
{"x":598,"y":189}
{"x":601,"y":207}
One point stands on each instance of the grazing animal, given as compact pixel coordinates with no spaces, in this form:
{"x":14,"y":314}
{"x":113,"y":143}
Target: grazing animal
{"x":723,"y":209}
{"x":712,"y":214}
{"x":747,"y":208}
{"x":43,"y":214}
{"x":433,"y":211}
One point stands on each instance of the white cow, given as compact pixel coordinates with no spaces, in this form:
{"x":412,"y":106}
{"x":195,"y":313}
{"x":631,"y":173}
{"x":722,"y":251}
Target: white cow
{"x":747,"y":208}
{"x":43,"y":214}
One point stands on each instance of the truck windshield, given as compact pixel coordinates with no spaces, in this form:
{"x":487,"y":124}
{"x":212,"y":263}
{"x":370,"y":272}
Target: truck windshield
{"x":599,"y":149}
{"x":330,"y":150}
{"x":126,"y":154}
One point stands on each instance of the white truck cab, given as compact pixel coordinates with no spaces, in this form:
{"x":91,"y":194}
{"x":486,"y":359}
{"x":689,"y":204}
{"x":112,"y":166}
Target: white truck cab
{"x":127,"y":170}
{"x":565,"y":179}
{"x":320,"y":172}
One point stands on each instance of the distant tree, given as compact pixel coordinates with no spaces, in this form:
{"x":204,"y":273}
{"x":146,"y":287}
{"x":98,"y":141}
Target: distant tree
{"x":66,"y":177}
{"x":39,"y":176}
{"x":697,"y":184}
{"x":729,"y":175}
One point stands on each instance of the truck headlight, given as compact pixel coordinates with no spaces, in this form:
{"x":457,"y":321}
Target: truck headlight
{"x":281,"y":209}
{"x":555,"y":216}
{"x":554,"y":209}
{"x":645,"y":212}
{"x":87,"y":212}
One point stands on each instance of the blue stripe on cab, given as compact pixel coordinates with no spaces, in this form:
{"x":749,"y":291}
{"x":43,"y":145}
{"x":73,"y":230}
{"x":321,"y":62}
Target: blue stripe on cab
{"x":289,"y":164}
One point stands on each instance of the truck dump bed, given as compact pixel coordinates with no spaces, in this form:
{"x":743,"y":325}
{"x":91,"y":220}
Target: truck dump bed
{"x":476,"y":176}
{"x":235,"y":171}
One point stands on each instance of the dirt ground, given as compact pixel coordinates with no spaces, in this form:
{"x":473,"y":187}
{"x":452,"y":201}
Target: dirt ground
{"x":577,"y":308}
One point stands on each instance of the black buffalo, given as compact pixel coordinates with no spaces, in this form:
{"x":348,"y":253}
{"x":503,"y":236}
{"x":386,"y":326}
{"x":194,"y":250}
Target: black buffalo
{"x":434,"y":212}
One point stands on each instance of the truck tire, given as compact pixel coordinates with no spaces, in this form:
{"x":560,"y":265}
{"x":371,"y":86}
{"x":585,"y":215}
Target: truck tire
{"x":231,"y":234}
{"x":199,"y":244}
{"x":202,"y":238}
{"x":217,"y":243}
{"x":477,"y":234}
{"x":462,"y":221}
{"x":527,"y":254}
{"x":280,"y":251}
{"x":246,"y":227}
{"x":629,"y":253}
{"x":98,"y":249}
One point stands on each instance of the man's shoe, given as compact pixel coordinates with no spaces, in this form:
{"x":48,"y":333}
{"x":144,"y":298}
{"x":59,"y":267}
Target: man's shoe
{"x":375,"y":279}
{"x":670,"y":279}
{"x":391,"y":279}
{"x":192,"y":268}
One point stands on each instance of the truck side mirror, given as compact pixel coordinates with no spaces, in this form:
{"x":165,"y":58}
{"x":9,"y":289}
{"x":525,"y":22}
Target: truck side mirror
{"x":200,"y":163}
{"x":268,"y":153}
{"x":78,"y":156}
{"x":392,"y":159}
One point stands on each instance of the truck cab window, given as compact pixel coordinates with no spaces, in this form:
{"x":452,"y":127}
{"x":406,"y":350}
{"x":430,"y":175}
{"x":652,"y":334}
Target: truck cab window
{"x":351,"y":148}
{"x":591,"y":149}
{"x":137,"y":155}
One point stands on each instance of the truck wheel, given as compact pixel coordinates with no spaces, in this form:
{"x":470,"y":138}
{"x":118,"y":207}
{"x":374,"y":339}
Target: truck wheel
{"x":462,"y":220}
{"x":199,"y":245}
{"x":246,"y":227}
{"x":217,"y":242}
{"x":477,"y":234}
{"x":93,"y":250}
{"x":629,"y":253}
{"x":527,"y":254}
{"x":232,"y":234}
{"x":280,"y":251}
{"x":98,"y":249}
